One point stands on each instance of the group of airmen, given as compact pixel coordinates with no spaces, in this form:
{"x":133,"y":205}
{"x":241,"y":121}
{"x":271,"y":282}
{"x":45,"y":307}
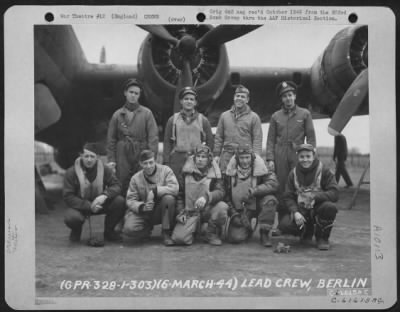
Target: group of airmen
{"x":216,"y":189}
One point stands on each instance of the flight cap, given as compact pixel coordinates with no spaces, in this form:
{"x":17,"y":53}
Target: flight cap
{"x":285,"y":86}
{"x":305,"y":147}
{"x":244,"y":149}
{"x":132,"y":82}
{"x":242,"y":89}
{"x":187,"y":90}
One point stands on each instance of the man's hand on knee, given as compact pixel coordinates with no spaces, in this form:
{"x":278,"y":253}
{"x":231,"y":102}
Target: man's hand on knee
{"x":148,"y":206}
{"x":299,"y":219}
{"x":98,"y":203}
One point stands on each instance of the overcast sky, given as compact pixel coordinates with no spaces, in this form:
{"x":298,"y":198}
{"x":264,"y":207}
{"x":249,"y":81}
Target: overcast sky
{"x":283,"y":45}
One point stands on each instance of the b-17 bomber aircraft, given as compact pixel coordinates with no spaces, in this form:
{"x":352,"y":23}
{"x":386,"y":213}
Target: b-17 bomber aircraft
{"x":74,"y":99}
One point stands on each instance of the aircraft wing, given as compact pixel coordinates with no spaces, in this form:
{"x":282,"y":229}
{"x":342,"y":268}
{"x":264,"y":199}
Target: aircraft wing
{"x":74,"y":99}
{"x":335,"y":86}
{"x":262,"y":82}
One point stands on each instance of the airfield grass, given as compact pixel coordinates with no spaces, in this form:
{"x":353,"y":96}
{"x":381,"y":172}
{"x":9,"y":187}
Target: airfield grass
{"x":58,"y":260}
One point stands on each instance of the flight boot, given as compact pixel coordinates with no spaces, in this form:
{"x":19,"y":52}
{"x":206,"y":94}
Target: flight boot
{"x":322,"y":232}
{"x":307,"y":234}
{"x":75,"y":235}
{"x":167,"y":238}
{"x":112,"y":236}
{"x":212,"y":236}
{"x":213,"y":239}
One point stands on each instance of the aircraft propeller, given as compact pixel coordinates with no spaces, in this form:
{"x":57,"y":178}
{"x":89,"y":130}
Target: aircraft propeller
{"x":160,"y":31}
{"x":349,"y":104}
{"x":224,"y":33}
{"x":187,"y":46}
{"x":185,"y":80}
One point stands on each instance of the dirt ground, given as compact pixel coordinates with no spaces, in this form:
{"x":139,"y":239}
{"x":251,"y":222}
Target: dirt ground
{"x":121,"y":270}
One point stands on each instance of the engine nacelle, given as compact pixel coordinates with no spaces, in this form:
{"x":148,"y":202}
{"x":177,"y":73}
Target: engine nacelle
{"x":341,"y":62}
{"x":160,"y":65}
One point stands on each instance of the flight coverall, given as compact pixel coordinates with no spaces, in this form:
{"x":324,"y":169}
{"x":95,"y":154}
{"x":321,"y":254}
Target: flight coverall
{"x":196,"y":185}
{"x":262,"y":205}
{"x":182,"y":135}
{"x":128,"y":134}
{"x":236,"y":129}
{"x":287,"y":130}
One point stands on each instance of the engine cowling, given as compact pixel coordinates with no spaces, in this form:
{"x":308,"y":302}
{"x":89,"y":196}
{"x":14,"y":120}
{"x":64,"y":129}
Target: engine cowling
{"x":340,"y":63}
{"x":160,"y":64}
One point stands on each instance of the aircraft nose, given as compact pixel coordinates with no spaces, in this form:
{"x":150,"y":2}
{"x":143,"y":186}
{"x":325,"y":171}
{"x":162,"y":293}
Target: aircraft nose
{"x":187,"y":45}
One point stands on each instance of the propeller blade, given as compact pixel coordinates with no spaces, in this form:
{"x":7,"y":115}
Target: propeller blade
{"x":185,"y":80}
{"x":225,"y":33}
{"x":186,"y":74}
{"x":349,"y":104}
{"x":47,"y":111}
{"x":160,"y":31}
{"x":187,"y":46}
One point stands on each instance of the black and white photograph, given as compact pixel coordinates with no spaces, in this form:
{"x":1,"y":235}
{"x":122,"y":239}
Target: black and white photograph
{"x":221,"y":158}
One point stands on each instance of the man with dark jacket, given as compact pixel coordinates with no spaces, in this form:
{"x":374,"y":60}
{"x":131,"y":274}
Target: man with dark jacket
{"x":90,"y":188}
{"x":340,"y":156}
{"x":311,"y":191}
{"x":250,"y":189}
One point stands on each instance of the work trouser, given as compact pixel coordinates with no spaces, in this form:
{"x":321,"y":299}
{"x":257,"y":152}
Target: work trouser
{"x":176,"y":162}
{"x":225,"y":157}
{"x":285,"y":160}
{"x":325,"y":211}
{"x":237,"y":231}
{"x":114,"y":209}
{"x":215,"y":216}
{"x":342,"y":171}
{"x":228,"y":151}
{"x":140,"y":225}
{"x":127,"y":162}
